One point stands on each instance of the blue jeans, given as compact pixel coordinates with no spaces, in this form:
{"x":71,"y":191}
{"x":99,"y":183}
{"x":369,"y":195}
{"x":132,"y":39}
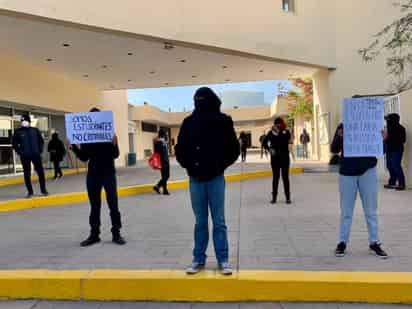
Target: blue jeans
{"x":205,"y":195}
{"x":394,"y":165}
{"x":367,"y":185}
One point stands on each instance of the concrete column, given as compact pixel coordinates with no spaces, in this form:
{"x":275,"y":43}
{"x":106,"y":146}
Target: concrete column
{"x":116,"y":101}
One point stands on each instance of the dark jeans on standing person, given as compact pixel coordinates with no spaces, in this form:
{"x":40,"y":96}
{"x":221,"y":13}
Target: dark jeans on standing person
{"x":280,"y":166}
{"x":95,"y":183}
{"x":244,"y":153}
{"x":57,"y":169}
{"x":394,"y":165}
{"x":205,"y":195}
{"x":165,"y":173}
{"x":38,"y":166}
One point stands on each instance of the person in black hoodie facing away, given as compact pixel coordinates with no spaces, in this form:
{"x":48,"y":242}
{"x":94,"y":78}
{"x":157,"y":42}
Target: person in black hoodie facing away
{"x":277,"y":143}
{"x":394,"y":144}
{"x":243,"y":145}
{"x":28,"y":144}
{"x":57,"y":153}
{"x":206,"y":146}
{"x":101,"y":173}
{"x":357,"y":174}
{"x":161,"y":148}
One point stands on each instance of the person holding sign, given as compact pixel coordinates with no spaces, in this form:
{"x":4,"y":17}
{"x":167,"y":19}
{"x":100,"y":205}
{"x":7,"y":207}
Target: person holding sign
{"x":28,"y":144}
{"x":161,"y":148}
{"x":101,"y":174}
{"x":359,"y":146}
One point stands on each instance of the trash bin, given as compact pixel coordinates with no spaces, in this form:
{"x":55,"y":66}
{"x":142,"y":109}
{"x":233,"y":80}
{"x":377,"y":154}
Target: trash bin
{"x":131,"y":159}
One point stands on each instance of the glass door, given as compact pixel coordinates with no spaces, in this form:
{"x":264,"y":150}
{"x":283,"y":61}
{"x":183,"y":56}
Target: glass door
{"x":6,"y":150}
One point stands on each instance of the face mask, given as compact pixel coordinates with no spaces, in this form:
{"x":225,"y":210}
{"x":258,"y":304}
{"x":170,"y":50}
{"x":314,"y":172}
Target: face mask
{"x":25,"y":124}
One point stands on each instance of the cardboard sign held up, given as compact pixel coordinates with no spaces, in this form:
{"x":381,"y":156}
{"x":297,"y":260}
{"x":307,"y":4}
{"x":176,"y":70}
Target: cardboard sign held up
{"x":363,"y":122}
{"x":92,"y":127}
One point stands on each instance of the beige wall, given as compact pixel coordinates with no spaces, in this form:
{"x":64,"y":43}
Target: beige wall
{"x":143,"y":141}
{"x":24,"y":83}
{"x":116,"y":101}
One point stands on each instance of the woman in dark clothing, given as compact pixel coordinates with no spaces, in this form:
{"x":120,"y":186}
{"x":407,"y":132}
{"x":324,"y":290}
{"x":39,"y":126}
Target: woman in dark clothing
{"x":101,"y":173}
{"x":277,"y":143}
{"x":394,"y":144}
{"x":161,"y":148}
{"x":243,"y":145}
{"x":57,"y":153}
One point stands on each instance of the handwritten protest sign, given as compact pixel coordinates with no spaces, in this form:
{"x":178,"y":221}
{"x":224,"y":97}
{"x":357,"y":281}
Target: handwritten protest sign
{"x":363,"y":122}
{"x":87,"y":128}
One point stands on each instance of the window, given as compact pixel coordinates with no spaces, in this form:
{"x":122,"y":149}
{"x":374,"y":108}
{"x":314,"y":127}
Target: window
{"x":149,"y":127}
{"x":288,"y":5}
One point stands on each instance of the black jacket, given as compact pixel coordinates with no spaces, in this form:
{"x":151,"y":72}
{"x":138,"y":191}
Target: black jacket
{"x":56,"y":150}
{"x":28,"y":142}
{"x":100,"y":156}
{"x":161,"y":148}
{"x":278,"y":145}
{"x":207,"y":142}
{"x":351,"y":166}
{"x":396,"y":134}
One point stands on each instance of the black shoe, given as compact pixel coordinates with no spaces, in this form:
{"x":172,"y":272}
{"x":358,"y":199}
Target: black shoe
{"x":91,"y":240}
{"x":274,"y":201}
{"x":288,"y":201}
{"x":118,"y":239}
{"x":156,"y":189}
{"x":45,"y":193}
{"x":400,"y":188}
{"x":376,"y":249}
{"x":340,"y":250}
{"x":391,"y":187}
{"x":29,"y":195}
{"x":166,"y":192}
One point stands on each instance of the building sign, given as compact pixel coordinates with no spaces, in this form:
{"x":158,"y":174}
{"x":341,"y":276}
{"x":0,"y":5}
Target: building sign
{"x":363,"y":121}
{"x":87,"y":128}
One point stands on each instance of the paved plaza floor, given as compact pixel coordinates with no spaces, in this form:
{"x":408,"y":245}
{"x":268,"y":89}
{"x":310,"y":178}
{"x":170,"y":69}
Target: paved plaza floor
{"x":159,"y":231}
{"x":144,"y":305}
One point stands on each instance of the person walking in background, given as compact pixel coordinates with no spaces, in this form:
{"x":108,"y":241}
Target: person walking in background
{"x":161,"y":148}
{"x":28,"y":144}
{"x":357,"y":174}
{"x":262,"y":149}
{"x":243,"y":145}
{"x":394,"y":144}
{"x":305,"y":140}
{"x":57,"y":152}
{"x":101,"y":173}
{"x":206,"y":146}
{"x":277,"y":143}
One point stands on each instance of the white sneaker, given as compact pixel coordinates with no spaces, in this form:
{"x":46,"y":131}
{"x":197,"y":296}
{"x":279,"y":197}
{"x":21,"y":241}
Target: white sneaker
{"x":226,"y":269}
{"x":195,"y":268}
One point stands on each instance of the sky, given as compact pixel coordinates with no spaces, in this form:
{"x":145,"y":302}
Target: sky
{"x":179,"y":99}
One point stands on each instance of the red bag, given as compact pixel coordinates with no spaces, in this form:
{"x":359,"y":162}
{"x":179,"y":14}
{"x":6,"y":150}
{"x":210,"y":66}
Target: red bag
{"x":155,"y":162}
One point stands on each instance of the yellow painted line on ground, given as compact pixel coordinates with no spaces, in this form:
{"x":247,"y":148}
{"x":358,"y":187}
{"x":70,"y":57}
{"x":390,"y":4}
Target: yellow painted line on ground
{"x":49,"y":175}
{"x":79,"y":197}
{"x":173,"y":285}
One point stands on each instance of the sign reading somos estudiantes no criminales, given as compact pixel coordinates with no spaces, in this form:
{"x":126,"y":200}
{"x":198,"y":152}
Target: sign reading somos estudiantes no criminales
{"x":92,"y":127}
{"x":363,"y":122}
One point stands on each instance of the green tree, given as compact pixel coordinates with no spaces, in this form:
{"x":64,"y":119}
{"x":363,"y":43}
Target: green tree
{"x":396,"y":40}
{"x":301,"y":98}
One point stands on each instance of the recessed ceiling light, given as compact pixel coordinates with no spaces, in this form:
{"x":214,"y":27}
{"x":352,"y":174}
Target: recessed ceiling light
{"x":49,"y":59}
{"x":224,"y":66}
{"x":194,"y":76}
{"x":111,"y":86}
{"x":167,"y":84}
{"x":183,"y":60}
{"x":104,"y":66}
{"x":261,"y":71}
{"x":130,"y":54}
{"x":66,"y":44}
{"x":168,"y":46}
{"x":152,"y":72}
{"x":129,"y":80}
{"x":227,"y":80}
{"x":86,"y":75}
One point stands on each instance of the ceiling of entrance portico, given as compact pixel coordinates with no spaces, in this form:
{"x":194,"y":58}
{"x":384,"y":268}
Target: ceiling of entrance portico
{"x":116,"y":61}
